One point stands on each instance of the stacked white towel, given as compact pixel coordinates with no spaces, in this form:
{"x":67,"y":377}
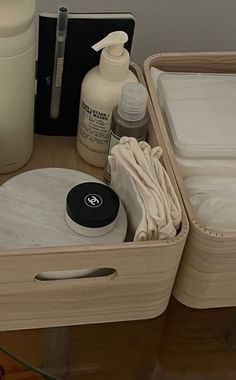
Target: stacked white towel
{"x":144,"y":187}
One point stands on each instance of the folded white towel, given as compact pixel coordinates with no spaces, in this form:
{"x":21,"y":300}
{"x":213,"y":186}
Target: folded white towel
{"x":144,"y":187}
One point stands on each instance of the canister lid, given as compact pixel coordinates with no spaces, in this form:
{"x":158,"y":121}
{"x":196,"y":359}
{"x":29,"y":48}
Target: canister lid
{"x":92,"y":204}
{"x":16,"y":16}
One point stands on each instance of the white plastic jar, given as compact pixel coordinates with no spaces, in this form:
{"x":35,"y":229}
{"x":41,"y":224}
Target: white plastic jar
{"x":17,"y":82}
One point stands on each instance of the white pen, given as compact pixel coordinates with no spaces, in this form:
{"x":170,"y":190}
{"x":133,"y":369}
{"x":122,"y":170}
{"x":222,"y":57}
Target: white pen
{"x":61,"y":32}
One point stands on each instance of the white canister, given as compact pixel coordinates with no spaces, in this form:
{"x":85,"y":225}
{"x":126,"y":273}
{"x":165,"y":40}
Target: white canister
{"x":17,"y":82}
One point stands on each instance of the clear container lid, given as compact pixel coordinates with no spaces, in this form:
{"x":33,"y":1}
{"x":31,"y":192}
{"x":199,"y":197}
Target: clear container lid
{"x":201,"y":113}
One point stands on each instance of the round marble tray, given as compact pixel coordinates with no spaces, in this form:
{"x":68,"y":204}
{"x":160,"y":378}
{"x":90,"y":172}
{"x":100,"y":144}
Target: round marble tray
{"x":32,"y":209}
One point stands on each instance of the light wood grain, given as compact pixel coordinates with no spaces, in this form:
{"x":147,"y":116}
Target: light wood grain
{"x":146,"y":271}
{"x":207,"y":275}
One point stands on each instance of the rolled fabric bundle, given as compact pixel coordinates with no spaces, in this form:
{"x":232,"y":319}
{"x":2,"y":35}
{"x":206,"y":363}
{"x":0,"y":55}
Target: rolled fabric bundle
{"x":144,"y":187}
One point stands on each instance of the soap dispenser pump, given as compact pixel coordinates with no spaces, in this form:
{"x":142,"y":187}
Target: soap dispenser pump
{"x":100,"y":93}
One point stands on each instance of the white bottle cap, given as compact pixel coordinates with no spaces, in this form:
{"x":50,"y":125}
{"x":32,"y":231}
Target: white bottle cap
{"x":114,"y":60}
{"x":17,"y":27}
{"x":114,"y":41}
{"x":16,"y":16}
{"x":133,"y":102}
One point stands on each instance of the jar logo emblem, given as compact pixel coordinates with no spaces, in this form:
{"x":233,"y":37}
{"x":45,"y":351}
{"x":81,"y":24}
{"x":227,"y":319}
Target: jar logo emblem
{"x":93,"y":200}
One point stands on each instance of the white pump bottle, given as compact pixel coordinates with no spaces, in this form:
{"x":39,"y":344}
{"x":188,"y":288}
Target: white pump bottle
{"x":100,"y":93}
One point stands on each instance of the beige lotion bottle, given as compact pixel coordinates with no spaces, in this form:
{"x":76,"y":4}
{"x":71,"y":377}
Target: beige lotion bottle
{"x":129,"y":118}
{"x":100,"y":93}
{"x":17,"y":82}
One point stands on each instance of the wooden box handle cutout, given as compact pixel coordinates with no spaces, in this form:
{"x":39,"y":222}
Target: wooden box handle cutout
{"x":107,"y":273}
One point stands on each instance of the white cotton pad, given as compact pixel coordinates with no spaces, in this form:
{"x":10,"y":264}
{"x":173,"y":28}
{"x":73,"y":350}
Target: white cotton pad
{"x":214,"y":201}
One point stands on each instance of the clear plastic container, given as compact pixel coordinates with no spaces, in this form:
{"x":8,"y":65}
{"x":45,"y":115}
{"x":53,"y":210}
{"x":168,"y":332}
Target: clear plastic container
{"x":201,"y":113}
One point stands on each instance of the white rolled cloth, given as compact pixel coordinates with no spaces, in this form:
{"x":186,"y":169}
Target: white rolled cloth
{"x":144,"y":187}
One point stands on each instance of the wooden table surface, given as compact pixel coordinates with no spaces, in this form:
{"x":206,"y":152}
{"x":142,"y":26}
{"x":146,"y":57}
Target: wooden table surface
{"x":181,"y":344}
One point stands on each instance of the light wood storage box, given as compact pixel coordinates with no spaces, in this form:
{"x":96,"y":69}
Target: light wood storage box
{"x":145,"y":270}
{"x":207,"y":274}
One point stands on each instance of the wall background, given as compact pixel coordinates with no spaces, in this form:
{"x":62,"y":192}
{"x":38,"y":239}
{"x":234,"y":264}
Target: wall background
{"x":167,"y":25}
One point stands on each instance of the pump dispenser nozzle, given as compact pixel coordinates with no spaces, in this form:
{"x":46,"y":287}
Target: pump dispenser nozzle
{"x":114,"y":59}
{"x":114,"y":41}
